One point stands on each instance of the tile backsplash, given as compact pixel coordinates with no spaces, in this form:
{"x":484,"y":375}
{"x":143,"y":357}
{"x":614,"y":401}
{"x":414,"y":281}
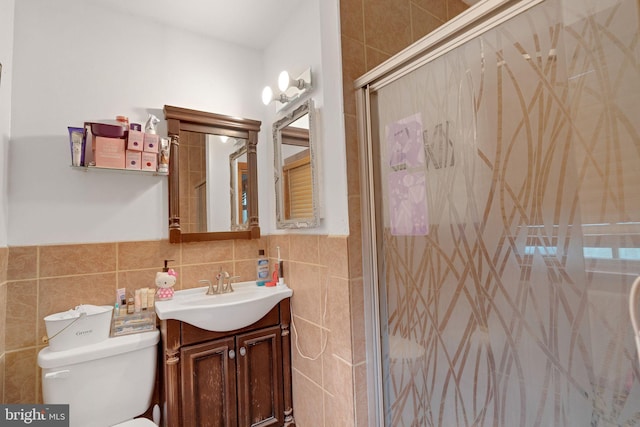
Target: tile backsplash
{"x":4,"y":252}
{"x":42,"y":280}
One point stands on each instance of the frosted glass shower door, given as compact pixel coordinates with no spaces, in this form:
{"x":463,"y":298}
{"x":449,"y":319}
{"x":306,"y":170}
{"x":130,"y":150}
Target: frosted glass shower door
{"x":507,"y":181}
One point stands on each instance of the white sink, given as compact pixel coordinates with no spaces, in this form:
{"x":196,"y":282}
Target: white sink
{"x":224,"y":312}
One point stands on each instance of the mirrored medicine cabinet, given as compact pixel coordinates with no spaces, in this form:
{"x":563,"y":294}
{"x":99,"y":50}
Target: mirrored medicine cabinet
{"x":296,"y":169}
{"x":213,"y":188}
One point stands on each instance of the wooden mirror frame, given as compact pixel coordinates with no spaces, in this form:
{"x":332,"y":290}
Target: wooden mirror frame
{"x":183,"y":119}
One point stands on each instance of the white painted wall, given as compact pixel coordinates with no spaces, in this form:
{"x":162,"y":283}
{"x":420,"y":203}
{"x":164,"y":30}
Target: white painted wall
{"x":74,"y":62}
{"x":312,"y":39}
{"x":334,"y":191}
{"x":6,"y":59}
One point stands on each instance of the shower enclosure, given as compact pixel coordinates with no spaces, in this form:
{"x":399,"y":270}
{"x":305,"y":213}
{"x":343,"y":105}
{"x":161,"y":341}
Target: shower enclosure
{"x":501,"y":159}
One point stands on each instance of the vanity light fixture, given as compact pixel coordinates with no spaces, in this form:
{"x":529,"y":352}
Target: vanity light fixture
{"x":290,"y":89}
{"x":285,"y":82}
{"x":268,"y":96}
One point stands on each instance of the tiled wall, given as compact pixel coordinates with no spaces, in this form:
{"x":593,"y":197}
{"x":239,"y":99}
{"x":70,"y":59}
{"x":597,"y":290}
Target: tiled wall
{"x":373,"y":31}
{"x":321,"y":342}
{"x":3,"y":298}
{"x":47,"y":279}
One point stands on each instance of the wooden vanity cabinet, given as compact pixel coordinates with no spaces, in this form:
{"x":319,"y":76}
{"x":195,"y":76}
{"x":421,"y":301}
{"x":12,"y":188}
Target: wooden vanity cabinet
{"x":238,"y":378}
{"x":208,"y":385}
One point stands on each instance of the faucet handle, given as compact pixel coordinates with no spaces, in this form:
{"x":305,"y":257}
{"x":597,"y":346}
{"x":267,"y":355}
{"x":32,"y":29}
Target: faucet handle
{"x":210,"y":290}
{"x":231,"y":279}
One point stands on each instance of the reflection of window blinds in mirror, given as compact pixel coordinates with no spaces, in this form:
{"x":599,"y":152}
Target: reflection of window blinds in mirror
{"x":297,"y":186}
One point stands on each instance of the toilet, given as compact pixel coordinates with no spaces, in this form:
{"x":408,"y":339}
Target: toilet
{"x":106,"y":384}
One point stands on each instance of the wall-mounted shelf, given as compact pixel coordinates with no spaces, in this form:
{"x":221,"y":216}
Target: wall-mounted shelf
{"x":124,"y":171}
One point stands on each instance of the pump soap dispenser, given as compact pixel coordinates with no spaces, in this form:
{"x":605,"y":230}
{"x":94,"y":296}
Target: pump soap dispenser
{"x":165,"y":280}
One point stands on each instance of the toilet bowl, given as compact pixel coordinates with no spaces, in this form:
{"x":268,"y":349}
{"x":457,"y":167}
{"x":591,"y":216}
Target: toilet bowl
{"x":105,"y":384}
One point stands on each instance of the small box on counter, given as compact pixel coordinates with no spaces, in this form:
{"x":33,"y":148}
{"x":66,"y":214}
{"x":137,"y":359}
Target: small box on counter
{"x":151,"y":142}
{"x":149,"y":161}
{"x":134,"y":159}
{"x":109,"y":152}
{"x":135,"y":140}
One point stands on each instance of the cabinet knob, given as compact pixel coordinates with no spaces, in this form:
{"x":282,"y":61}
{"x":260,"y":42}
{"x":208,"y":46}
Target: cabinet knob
{"x":243,"y":351}
{"x":232,"y":354}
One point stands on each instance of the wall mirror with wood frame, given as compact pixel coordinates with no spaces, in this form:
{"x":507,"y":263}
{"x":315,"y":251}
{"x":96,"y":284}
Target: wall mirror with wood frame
{"x":213,"y":187}
{"x":296,"y":169}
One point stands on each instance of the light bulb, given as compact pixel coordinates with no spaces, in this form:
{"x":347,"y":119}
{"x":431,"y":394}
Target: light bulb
{"x":267,"y":95}
{"x":283,"y":81}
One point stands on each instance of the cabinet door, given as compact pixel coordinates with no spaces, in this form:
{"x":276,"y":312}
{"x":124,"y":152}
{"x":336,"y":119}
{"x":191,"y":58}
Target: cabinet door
{"x":209,"y":384}
{"x":260,"y":390}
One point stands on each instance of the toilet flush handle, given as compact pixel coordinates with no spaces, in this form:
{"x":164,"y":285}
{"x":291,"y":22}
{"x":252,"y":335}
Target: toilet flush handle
{"x":57,"y":374}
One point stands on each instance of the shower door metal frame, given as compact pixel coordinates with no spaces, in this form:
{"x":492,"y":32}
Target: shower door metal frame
{"x":478,"y":19}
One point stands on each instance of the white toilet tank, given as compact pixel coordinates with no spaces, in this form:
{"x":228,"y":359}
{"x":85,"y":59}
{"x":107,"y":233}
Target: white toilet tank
{"x":104,"y":383}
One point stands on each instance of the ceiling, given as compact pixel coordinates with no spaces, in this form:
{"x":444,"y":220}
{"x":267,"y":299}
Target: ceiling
{"x":250,"y":23}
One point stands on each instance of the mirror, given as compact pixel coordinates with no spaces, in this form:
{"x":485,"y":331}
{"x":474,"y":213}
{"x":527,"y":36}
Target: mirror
{"x":295,"y":169}
{"x":212,"y":176}
{"x":208,"y":183}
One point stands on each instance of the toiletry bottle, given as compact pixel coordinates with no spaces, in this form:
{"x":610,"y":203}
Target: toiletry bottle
{"x":163,"y":162}
{"x":124,"y":122}
{"x":143,"y":299}
{"x":262,"y":269}
{"x":137,"y":301}
{"x":121,"y":303}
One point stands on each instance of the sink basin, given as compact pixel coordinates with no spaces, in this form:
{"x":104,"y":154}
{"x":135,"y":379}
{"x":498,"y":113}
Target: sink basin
{"x":225,"y":312}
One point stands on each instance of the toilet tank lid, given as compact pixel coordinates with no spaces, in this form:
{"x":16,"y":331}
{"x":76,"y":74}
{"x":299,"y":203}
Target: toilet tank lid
{"x":109,"y":347}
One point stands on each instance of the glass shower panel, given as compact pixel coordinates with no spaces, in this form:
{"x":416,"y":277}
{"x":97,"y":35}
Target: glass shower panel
{"x":509,"y":188}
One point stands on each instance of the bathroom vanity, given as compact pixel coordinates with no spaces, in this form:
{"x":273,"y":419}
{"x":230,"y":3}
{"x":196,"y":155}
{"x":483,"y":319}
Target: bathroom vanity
{"x":236,"y":378}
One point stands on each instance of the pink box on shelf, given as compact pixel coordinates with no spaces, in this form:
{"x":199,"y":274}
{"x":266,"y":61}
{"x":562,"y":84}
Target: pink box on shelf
{"x":134,"y":159}
{"x":149,"y":161}
{"x":151,"y":142}
{"x":109,"y":152}
{"x":135,"y":141}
